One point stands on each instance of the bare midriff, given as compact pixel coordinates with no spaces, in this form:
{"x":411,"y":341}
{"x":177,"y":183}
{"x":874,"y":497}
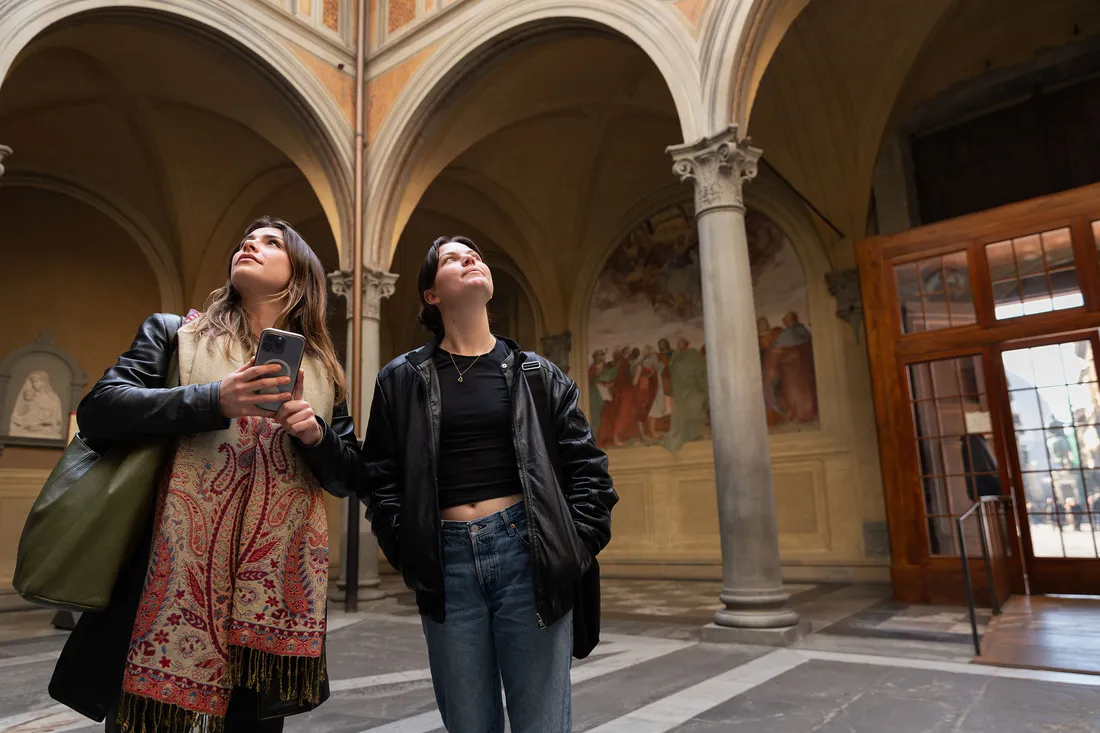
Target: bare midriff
{"x":480,"y":509}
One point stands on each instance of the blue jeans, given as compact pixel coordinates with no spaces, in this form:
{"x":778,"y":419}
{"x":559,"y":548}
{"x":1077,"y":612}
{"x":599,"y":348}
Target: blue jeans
{"x":490,"y":634}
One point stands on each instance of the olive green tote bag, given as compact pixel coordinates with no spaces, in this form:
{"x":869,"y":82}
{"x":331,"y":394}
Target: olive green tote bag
{"x":85,"y":525}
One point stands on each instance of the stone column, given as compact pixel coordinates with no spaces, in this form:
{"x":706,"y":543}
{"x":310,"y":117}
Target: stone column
{"x":377,"y":284}
{"x":5,"y":151}
{"x":752,"y":584}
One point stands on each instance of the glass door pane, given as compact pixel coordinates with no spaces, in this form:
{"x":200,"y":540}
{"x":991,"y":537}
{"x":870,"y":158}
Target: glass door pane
{"x":1055,"y":402}
{"x":956,"y":456}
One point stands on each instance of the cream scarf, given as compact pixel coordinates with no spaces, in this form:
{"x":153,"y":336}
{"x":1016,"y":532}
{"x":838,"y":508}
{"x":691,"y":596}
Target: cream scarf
{"x":235,"y":594}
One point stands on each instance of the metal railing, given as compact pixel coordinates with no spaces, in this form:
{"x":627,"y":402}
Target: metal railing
{"x":1002,"y":509}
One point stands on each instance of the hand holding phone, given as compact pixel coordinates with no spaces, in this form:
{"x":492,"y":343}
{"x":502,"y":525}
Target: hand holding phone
{"x":297,"y":416}
{"x":243,"y":389}
{"x":284,"y":349}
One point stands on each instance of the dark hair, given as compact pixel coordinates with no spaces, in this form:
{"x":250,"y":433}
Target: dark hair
{"x":430,"y":317}
{"x":306,"y":301}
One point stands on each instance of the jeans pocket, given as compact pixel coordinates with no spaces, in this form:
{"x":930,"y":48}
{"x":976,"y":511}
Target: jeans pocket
{"x":524,"y":535}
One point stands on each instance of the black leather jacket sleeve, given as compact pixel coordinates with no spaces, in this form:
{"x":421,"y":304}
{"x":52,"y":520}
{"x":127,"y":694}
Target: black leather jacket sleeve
{"x":130,"y":402}
{"x":382,"y":478}
{"x":335,"y":461}
{"x":589,"y":491}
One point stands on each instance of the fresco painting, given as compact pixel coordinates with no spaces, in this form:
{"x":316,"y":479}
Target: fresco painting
{"x":647,"y":373}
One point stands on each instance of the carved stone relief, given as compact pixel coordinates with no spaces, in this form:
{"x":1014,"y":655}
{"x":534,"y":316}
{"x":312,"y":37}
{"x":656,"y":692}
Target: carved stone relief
{"x":39,"y":387}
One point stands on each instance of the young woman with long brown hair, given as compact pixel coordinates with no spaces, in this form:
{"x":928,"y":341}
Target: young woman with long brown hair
{"x":219,"y":623}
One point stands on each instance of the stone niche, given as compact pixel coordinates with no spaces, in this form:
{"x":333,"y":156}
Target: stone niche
{"x":40,"y":386}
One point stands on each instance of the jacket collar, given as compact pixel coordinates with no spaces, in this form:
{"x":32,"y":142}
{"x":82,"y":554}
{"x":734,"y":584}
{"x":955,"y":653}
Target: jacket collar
{"x":427,"y":351}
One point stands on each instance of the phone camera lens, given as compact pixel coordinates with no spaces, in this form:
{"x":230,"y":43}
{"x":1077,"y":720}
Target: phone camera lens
{"x":278,"y":344}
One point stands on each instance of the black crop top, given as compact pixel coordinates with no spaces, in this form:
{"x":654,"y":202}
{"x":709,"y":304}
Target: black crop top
{"x":477,"y":455}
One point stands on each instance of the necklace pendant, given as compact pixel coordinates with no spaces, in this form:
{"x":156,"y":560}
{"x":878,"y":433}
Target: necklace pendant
{"x":460,"y":377}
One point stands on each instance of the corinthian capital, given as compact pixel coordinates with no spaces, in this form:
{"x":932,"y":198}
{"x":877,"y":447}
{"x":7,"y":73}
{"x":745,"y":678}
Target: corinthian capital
{"x":718,"y":166}
{"x":5,"y":151}
{"x":377,"y":284}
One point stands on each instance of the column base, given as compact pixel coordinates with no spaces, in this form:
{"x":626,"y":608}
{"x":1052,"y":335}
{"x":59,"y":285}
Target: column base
{"x":784,"y":636}
{"x":338,"y":591}
{"x":755,"y":608}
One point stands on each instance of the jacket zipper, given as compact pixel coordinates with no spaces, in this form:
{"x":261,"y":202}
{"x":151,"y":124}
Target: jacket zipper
{"x":527,"y":502}
{"x":426,"y":379}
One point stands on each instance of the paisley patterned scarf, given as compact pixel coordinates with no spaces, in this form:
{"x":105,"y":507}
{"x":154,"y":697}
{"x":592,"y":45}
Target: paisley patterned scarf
{"x":235,"y":594}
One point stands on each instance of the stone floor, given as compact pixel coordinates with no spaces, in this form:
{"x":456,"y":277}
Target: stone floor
{"x":870,"y":667}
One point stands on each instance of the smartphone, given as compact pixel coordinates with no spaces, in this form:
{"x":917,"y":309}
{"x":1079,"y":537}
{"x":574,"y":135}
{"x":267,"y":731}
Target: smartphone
{"x":285,"y":349}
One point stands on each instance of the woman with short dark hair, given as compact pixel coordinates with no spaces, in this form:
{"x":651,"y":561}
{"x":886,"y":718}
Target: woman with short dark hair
{"x":467,"y":501}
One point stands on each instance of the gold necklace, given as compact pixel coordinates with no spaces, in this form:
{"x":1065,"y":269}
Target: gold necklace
{"x":461,"y":371}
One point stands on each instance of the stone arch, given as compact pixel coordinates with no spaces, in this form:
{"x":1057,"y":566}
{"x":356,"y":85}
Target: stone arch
{"x":653,"y":27}
{"x":738,"y":40}
{"x":145,"y":235}
{"x":317,"y":112}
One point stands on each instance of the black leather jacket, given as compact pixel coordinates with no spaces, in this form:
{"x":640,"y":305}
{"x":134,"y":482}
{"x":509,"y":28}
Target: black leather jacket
{"x":130,"y":402}
{"x":568,"y":525}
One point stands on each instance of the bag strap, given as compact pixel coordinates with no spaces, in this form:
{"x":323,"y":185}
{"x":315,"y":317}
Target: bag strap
{"x":536,"y":382}
{"x":172,"y":379}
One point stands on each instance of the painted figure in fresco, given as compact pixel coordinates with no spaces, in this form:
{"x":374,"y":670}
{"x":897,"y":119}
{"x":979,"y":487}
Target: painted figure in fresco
{"x":657,"y":367}
{"x":645,"y":391}
{"x":610,"y":419}
{"x":662,"y":423}
{"x":769,"y":370}
{"x":689,"y":384}
{"x":797,"y":388}
{"x":600,"y":375}
{"x":627,"y":397}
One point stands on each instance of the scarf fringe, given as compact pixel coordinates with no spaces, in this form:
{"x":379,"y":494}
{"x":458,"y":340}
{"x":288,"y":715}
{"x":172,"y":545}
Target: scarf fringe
{"x":298,"y":678}
{"x":139,"y":714}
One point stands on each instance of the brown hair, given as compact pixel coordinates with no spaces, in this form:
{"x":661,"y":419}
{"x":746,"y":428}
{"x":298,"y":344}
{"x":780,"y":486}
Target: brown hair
{"x":305,"y":304}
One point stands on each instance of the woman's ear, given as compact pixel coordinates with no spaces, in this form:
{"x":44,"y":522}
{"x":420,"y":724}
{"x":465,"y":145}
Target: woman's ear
{"x":431,"y":298}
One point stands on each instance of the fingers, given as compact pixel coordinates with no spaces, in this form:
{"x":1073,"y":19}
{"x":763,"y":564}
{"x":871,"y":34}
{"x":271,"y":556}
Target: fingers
{"x":256,"y":372}
{"x":299,"y":386}
{"x":246,"y":366}
{"x":292,"y":408}
{"x":257,"y":398}
{"x":301,"y":423}
{"x":257,"y":384}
